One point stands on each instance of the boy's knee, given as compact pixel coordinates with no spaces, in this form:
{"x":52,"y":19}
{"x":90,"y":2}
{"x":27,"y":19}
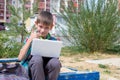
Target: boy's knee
{"x":55,"y":63}
{"x":36,"y":59}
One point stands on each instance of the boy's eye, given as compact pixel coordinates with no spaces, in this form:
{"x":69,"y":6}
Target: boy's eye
{"x":46,"y":27}
{"x":40,"y":26}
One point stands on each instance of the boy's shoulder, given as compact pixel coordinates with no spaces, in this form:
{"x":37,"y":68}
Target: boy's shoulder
{"x":52,"y":38}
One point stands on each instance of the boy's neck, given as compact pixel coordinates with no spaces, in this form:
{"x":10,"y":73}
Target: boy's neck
{"x":46,"y":37}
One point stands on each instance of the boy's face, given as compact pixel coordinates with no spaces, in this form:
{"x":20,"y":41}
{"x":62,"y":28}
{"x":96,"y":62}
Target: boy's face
{"x":43,"y":30}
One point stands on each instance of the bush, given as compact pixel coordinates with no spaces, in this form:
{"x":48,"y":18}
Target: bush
{"x":8,"y":47}
{"x":94,"y":25}
{"x":115,"y":48}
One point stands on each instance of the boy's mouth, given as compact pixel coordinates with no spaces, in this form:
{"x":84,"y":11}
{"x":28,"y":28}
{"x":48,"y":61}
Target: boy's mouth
{"x":40,"y":33}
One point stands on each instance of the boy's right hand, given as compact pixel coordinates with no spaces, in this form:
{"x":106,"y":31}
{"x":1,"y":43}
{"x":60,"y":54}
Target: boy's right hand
{"x":33,"y":35}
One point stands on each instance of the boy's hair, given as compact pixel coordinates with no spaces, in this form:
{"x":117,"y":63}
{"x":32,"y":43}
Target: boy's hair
{"x":45,"y":18}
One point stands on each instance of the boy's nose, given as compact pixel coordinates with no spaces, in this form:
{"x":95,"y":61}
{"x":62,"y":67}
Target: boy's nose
{"x":42,"y":30}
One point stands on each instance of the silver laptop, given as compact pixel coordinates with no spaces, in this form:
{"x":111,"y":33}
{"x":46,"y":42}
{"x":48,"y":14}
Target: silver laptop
{"x":46,"y":48}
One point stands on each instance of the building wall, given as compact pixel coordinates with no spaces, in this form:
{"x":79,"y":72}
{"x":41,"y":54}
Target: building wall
{"x":2,"y":14}
{"x":49,"y":5}
{"x":2,"y":10}
{"x":119,"y":4}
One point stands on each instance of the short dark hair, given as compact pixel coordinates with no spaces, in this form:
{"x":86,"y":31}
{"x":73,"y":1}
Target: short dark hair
{"x":45,"y":17}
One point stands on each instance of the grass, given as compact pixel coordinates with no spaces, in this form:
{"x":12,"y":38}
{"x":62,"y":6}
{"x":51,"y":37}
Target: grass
{"x":107,"y":71}
{"x":102,"y":66}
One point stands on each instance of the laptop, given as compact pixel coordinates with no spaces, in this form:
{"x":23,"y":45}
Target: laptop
{"x":46,"y":48}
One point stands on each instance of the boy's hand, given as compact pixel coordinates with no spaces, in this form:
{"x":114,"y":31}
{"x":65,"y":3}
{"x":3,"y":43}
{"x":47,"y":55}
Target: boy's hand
{"x":33,"y":35}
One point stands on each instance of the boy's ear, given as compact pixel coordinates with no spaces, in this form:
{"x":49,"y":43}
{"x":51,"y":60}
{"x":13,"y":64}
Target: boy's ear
{"x":35,"y":22}
{"x":52,"y":25}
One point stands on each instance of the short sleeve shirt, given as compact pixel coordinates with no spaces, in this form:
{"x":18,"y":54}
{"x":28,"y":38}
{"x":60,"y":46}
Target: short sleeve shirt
{"x":25,"y":62}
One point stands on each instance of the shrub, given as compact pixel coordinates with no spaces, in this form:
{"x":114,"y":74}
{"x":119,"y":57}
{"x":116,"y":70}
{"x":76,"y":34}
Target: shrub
{"x":8,"y":47}
{"x":94,"y":25}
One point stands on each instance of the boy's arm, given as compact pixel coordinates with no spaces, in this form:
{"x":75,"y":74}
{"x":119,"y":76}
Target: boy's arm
{"x":24,"y":49}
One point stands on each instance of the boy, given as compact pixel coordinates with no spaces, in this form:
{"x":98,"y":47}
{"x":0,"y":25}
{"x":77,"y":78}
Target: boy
{"x":40,"y":67}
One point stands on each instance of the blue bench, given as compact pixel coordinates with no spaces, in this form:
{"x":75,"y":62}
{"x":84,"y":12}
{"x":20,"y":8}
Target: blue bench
{"x":75,"y":75}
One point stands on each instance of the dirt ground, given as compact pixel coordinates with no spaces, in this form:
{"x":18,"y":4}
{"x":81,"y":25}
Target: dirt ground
{"x":78,"y":62}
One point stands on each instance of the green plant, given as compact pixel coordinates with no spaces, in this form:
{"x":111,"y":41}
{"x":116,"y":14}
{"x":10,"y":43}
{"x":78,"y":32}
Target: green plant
{"x":3,"y":39}
{"x":17,"y":20}
{"x":93,"y":25}
{"x":19,"y":15}
{"x":114,"y":48}
{"x":69,"y":51}
{"x":8,"y":47}
{"x":16,"y":29}
{"x":107,"y":71}
{"x":102,"y":66}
